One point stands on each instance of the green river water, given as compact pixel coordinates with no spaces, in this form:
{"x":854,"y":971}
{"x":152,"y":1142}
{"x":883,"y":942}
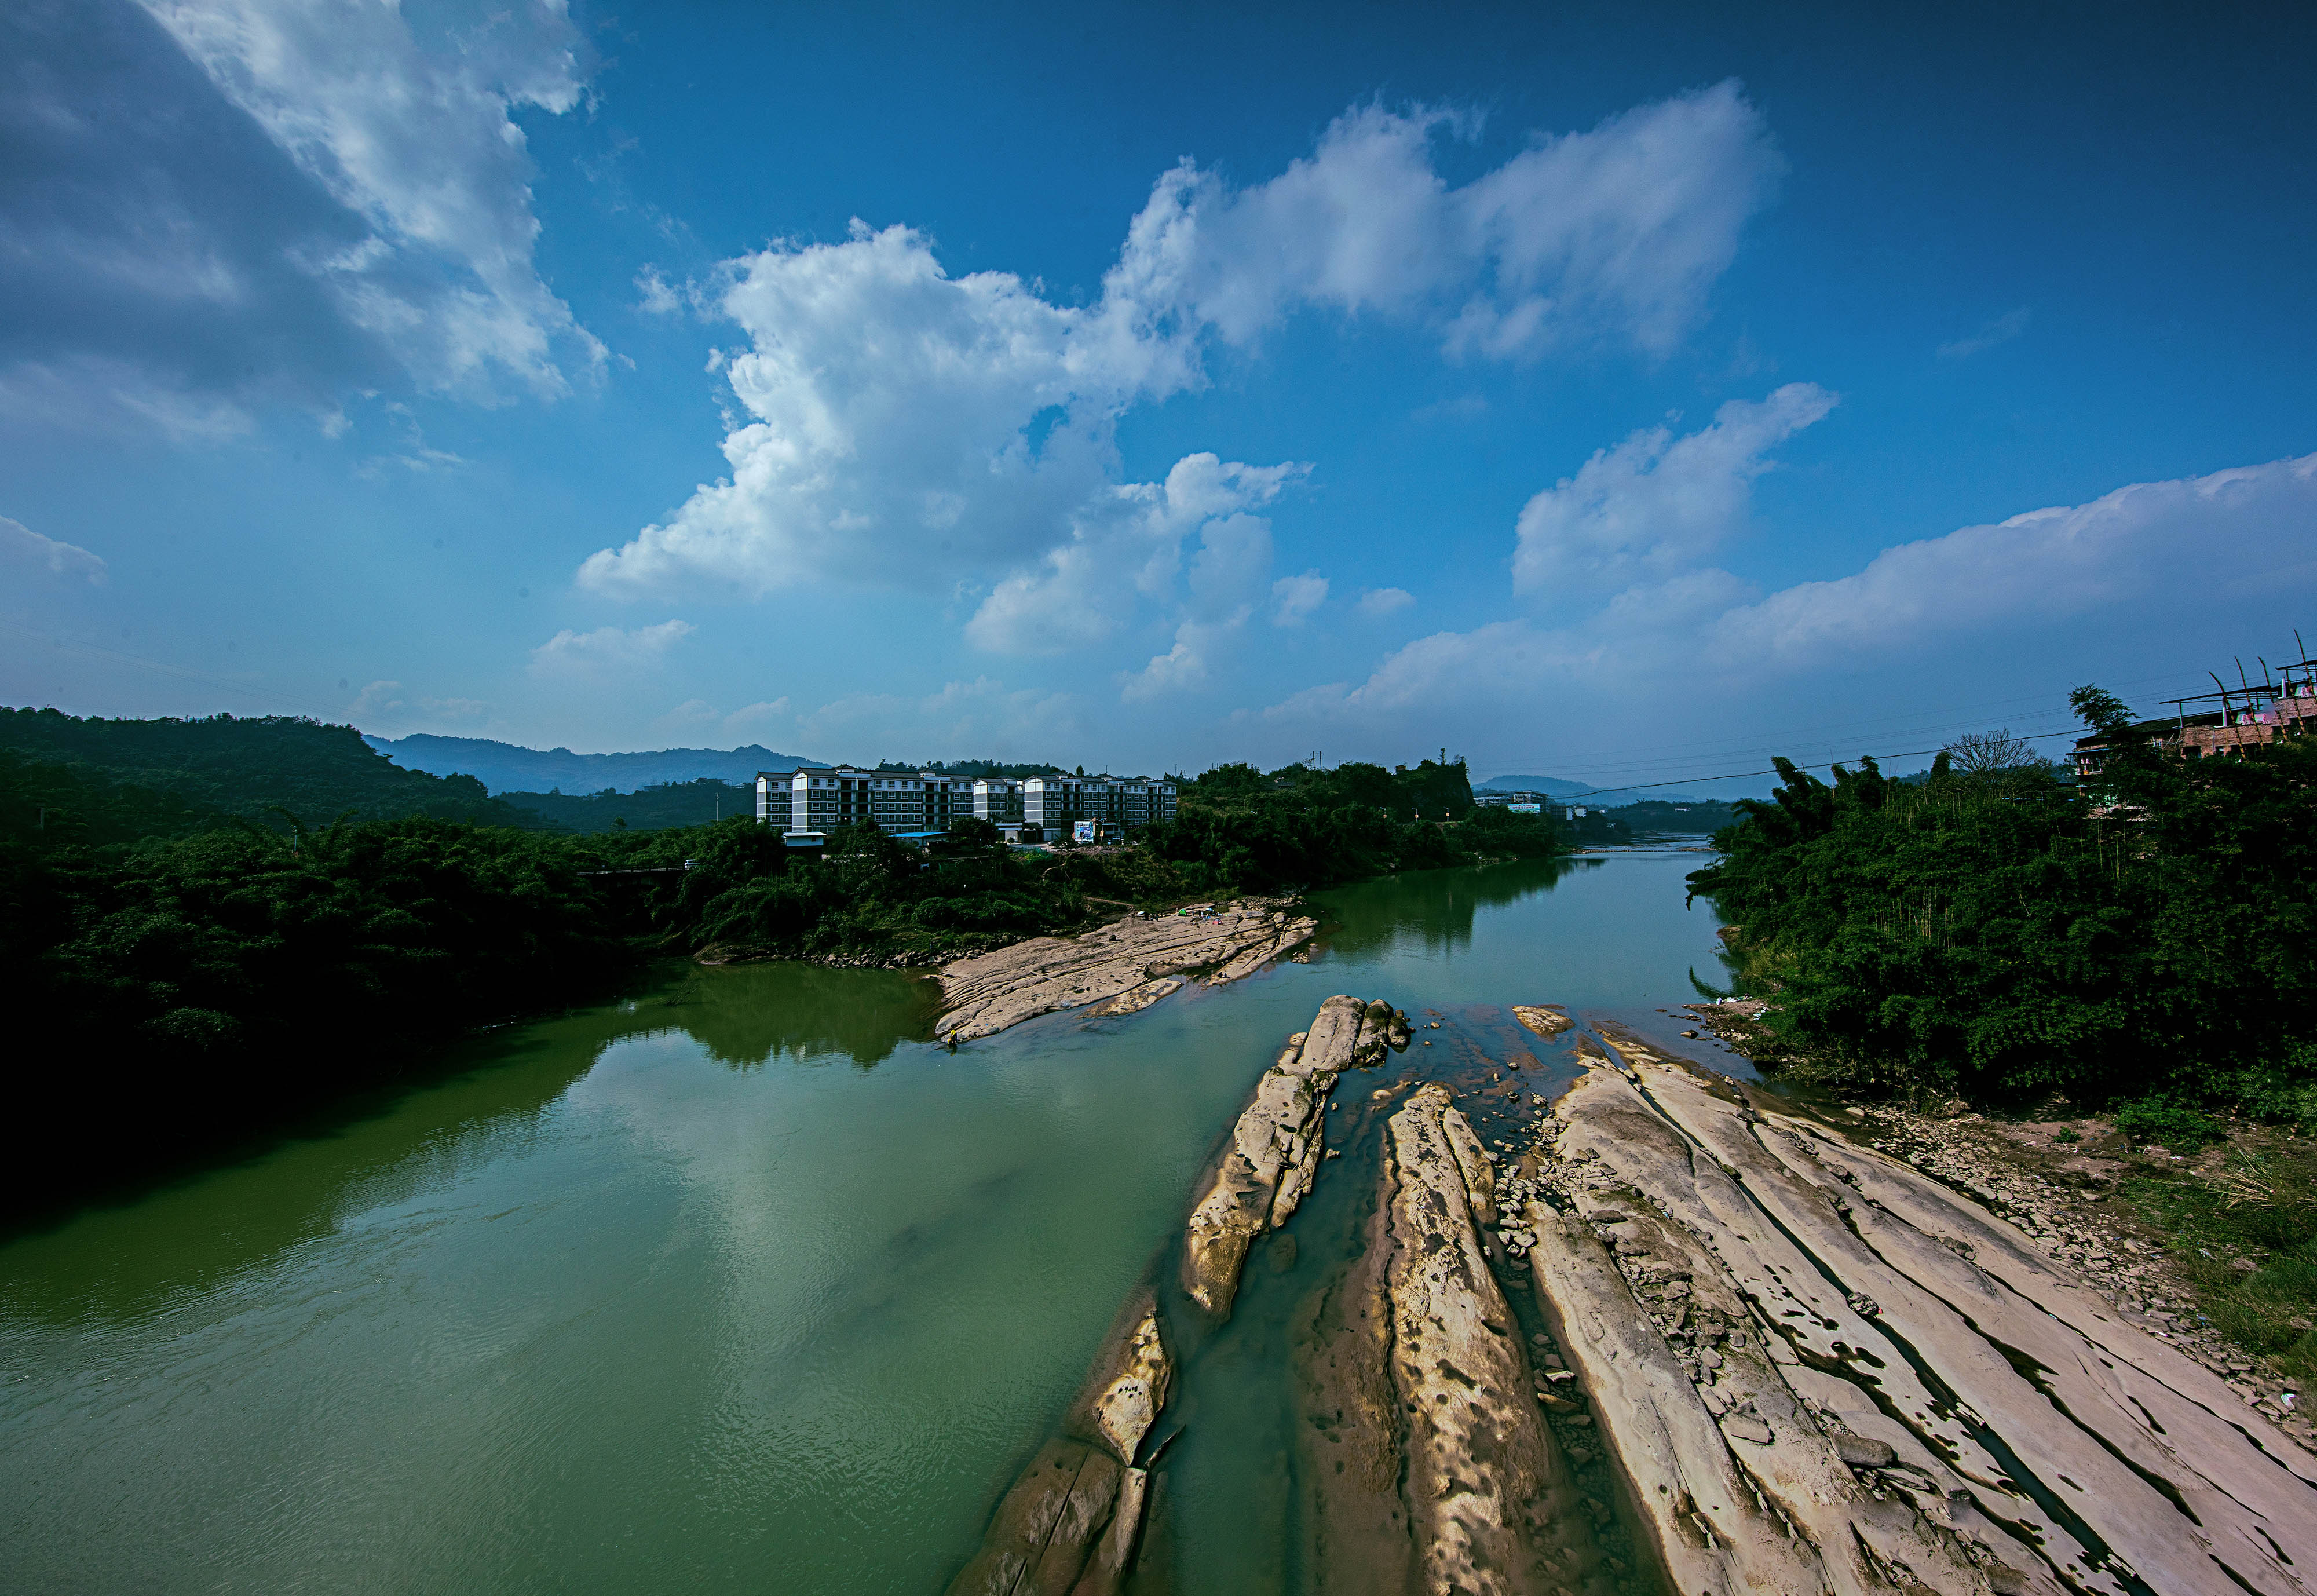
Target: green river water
{"x":740,"y":1286}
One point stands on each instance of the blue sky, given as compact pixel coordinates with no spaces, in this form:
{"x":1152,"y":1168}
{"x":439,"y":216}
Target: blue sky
{"x":1614,"y":392}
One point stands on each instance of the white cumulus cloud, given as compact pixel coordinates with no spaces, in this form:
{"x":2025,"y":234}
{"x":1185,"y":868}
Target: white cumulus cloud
{"x":1127,"y":546}
{"x":1616,"y":231}
{"x":220,"y":204}
{"x":607,"y":650}
{"x":1293,"y":599}
{"x":2138,"y":560}
{"x":24,"y":549}
{"x":1377,"y":603}
{"x":1656,"y":502}
{"x":900,"y":425}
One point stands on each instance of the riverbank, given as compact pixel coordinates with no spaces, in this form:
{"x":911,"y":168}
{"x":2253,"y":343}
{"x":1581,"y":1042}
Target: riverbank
{"x":1790,"y":1356}
{"x":2201,"y":1226}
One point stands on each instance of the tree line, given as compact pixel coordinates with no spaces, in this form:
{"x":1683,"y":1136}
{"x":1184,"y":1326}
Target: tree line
{"x":204,"y":975}
{"x":1994,"y":931}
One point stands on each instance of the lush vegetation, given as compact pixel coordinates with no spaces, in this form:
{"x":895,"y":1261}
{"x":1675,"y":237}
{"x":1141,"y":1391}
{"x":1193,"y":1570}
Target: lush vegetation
{"x":210,"y":967}
{"x":2246,"y":1236}
{"x":1992,"y":932}
{"x":277,"y":770}
{"x":1237,"y":829}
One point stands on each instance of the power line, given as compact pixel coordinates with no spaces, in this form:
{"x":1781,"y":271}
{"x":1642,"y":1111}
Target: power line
{"x":1827,"y":764}
{"x":1823,"y":733}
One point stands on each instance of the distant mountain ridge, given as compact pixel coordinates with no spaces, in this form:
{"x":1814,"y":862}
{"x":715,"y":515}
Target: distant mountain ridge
{"x":507,"y":768}
{"x":1553,"y":785}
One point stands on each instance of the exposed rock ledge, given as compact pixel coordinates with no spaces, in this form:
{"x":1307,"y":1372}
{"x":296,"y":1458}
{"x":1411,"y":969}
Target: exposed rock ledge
{"x":1123,"y":966}
{"x":1070,"y":1524}
{"x":1818,"y":1369}
{"x":1276,"y":1148}
{"x":1427,"y":1465}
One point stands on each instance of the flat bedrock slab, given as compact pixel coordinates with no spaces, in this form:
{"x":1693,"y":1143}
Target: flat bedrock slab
{"x":1123,"y":966}
{"x":1488,"y":1493}
{"x":1927,"y":1399}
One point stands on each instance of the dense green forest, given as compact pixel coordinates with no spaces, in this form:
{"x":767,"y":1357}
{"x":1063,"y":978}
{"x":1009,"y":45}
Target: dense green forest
{"x":1996,"y":933}
{"x":210,"y":970}
{"x":276,"y":770}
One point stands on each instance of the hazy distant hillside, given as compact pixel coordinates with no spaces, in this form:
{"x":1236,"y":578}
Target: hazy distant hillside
{"x":1581,"y":792}
{"x":504,"y":767}
{"x":251,"y":767}
{"x":1534,"y":783}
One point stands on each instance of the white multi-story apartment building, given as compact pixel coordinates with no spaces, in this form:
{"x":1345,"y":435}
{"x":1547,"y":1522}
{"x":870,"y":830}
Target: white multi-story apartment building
{"x":1051,"y":801}
{"x":821,"y":798}
{"x":999,"y":800}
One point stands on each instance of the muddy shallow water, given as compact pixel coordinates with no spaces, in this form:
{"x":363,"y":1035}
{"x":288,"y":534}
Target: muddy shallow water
{"x":744,"y":1285}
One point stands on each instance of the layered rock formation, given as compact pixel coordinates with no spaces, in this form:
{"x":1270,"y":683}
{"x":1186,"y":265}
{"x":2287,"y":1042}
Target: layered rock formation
{"x":1275,"y":1149}
{"x":1123,"y":966}
{"x":1818,"y":1369}
{"x":1427,"y":1465}
{"x":1070,"y":1524}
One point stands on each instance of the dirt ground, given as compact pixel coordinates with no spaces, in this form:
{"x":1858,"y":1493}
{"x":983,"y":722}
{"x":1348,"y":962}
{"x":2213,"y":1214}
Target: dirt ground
{"x":2091,"y":1199}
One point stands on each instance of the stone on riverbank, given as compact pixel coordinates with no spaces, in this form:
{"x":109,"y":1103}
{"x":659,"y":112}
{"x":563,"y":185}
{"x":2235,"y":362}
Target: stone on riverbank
{"x":1121,"y":966}
{"x":1546,"y":1019}
{"x":1424,"y":1465}
{"x":1489,"y":1501}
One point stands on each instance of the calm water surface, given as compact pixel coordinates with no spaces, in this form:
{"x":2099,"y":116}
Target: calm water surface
{"x":741,"y":1285}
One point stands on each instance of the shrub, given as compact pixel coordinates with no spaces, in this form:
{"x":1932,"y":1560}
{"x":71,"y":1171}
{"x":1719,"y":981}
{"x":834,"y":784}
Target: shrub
{"x":2168,"y":1123}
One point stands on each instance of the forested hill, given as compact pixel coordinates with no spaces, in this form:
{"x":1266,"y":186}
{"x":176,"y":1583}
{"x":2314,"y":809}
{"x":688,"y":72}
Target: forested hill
{"x":506,"y":767}
{"x":273,"y":770}
{"x":648,"y":809}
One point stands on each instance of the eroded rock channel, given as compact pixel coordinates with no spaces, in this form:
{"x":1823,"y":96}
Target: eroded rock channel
{"x":1660,"y":1335}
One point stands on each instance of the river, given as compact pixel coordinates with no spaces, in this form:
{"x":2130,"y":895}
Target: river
{"x":741,"y":1285}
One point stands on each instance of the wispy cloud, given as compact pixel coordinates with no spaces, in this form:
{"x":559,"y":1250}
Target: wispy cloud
{"x":1377,"y":603}
{"x":2001,"y":330}
{"x":24,"y":549}
{"x":384,"y":704}
{"x":1656,"y":502}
